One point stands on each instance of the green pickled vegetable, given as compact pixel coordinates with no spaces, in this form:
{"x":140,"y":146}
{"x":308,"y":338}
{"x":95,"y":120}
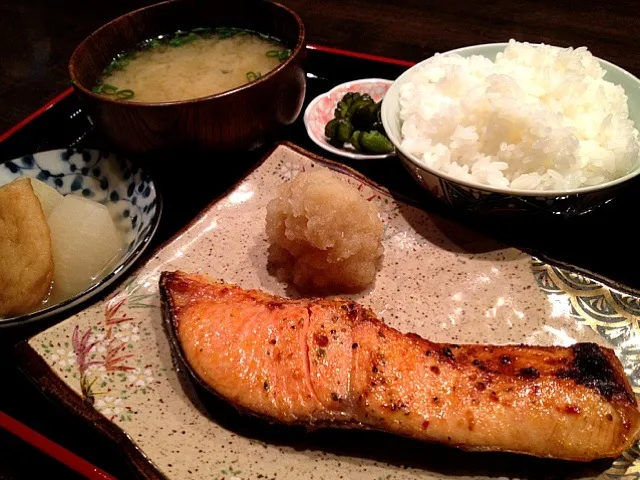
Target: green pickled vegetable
{"x":338,"y":132}
{"x":364,"y":115}
{"x":357,"y":121}
{"x":330,"y":128}
{"x":341,"y":109}
{"x":375,"y":142}
{"x":355,"y":140}
{"x":344,"y":131}
{"x":350,"y":96}
{"x":356,"y":107}
{"x":343,"y":106}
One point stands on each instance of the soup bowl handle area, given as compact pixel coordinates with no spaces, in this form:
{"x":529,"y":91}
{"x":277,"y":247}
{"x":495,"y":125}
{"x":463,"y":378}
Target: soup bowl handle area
{"x":238,"y":119}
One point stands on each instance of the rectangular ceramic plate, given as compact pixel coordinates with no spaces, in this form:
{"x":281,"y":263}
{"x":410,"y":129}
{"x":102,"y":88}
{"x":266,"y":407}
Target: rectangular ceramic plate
{"x":112,"y":363}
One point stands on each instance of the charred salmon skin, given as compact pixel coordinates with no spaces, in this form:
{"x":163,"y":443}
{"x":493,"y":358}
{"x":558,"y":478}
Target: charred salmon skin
{"x":320,"y":362}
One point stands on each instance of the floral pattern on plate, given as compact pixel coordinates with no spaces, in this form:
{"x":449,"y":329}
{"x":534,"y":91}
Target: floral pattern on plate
{"x":103,"y":357}
{"x":438,"y":279}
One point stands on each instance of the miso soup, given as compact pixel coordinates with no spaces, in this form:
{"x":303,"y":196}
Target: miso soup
{"x":188,"y":65}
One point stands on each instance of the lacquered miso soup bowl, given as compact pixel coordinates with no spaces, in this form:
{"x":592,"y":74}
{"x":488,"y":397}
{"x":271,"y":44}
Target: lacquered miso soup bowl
{"x":238,"y":119}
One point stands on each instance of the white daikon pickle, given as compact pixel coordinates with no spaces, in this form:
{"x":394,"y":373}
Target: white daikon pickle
{"x":49,"y":197}
{"x":84,"y":241}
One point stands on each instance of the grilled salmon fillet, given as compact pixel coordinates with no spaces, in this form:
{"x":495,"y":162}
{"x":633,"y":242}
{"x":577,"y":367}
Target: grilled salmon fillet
{"x":320,"y":362}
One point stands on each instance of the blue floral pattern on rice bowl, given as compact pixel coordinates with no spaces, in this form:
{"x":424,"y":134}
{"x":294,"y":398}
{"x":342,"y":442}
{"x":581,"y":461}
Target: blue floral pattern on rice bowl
{"x":486,"y":202}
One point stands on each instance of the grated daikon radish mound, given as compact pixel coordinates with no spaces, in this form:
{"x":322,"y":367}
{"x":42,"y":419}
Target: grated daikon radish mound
{"x":324,"y":235}
{"x":538,"y":118}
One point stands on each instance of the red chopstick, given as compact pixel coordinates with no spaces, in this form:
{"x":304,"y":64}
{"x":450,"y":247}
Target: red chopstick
{"x":36,"y":114}
{"x":52,"y":449}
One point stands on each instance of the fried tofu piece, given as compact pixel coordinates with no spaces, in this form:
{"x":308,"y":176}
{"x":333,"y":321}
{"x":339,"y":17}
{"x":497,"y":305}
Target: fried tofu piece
{"x":26,"y":260}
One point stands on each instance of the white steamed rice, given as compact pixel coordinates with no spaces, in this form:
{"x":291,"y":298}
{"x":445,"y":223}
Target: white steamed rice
{"x":538,"y":118}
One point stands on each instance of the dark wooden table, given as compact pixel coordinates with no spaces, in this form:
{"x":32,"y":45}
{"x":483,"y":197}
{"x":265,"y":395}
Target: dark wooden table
{"x":38,"y":36}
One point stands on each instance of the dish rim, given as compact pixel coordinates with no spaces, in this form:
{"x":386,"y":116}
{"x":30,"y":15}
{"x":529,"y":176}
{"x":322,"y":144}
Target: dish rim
{"x":391,"y":111}
{"x":119,"y":270}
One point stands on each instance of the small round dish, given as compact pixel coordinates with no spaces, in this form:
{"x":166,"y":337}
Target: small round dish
{"x":128,"y":193}
{"x":321,"y":109}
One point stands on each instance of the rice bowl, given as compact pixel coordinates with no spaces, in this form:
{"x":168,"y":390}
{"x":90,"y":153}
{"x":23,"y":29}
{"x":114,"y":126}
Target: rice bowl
{"x":472,"y":194}
{"x":538,"y":118}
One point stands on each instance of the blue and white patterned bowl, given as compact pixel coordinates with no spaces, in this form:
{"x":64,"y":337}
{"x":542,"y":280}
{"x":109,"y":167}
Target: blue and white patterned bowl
{"x":483,"y":199}
{"x":128,"y":193}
